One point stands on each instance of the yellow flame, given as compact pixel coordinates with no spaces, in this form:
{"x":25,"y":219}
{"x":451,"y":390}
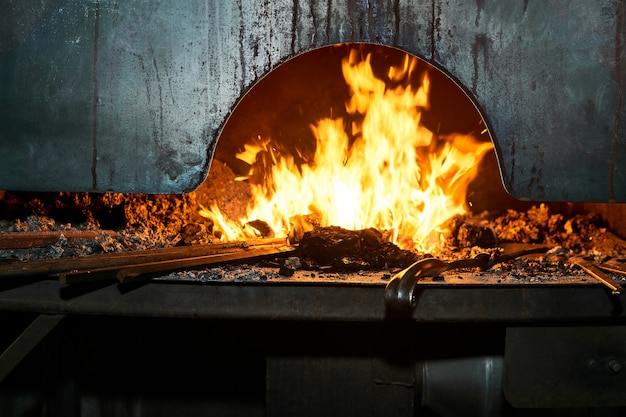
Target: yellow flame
{"x":389,"y":172}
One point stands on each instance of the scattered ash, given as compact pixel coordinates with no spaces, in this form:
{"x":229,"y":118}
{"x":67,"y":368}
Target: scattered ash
{"x":229,"y":273}
{"x":535,"y":269}
{"x":139,"y":221}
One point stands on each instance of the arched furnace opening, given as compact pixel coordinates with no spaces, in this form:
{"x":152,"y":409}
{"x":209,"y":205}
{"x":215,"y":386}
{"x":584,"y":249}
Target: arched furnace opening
{"x":398,"y":131}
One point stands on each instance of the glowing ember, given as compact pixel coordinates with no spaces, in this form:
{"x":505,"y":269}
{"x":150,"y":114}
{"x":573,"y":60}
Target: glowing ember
{"x":383,"y":169}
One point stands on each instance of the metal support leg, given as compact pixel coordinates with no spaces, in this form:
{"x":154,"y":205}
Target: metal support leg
{"x":27,"y":341}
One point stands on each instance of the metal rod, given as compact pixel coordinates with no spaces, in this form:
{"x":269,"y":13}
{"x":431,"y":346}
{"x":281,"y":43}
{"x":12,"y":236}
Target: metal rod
{"x":55,"y":266}
{"x":27,"y":341}
{"x":27,"y":240}
{"x":595,"y":272}
{"x":144,"y":271}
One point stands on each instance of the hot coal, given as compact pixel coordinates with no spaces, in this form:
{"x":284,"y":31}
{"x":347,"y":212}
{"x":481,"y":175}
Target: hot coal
{"x":583,"y":234}
{"x":351,"y":250}
{"x":262,"y":227}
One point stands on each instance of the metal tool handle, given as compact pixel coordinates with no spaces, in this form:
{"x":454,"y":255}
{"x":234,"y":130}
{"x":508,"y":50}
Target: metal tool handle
{"x":594,"y":271}
{"x":400,"y":291}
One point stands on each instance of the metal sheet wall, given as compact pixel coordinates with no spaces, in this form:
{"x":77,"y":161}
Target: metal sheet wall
{"x":130,"y":96}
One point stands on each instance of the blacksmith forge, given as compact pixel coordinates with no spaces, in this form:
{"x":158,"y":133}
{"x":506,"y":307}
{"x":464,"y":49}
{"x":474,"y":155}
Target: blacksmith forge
{"x":131,"y":97}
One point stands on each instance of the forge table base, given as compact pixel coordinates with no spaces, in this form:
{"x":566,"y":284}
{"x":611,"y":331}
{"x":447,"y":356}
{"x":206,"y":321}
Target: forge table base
{"x":455,"y":299}
{"x":289,"y":347}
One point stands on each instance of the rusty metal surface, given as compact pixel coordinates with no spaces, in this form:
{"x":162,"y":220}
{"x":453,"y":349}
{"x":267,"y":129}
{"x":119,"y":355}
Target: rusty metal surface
{"x":104,"y":95}
{"x":565,"y":366}
{"x":130,"y":96}
{"x":384,"y":386}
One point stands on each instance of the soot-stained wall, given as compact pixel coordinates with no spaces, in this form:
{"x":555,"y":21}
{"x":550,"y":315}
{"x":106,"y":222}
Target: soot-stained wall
{"x":130,"y":96}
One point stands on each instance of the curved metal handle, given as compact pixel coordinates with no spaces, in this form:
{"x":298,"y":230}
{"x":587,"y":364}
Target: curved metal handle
{"x":400,"y":291}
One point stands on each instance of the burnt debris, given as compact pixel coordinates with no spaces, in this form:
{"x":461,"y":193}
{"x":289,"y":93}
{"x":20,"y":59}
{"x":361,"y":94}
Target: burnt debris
{"x":350,"y":250}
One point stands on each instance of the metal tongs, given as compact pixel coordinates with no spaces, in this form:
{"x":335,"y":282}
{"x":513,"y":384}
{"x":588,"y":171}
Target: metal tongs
{"x":400,"y":291}
{"x":596,"y":271}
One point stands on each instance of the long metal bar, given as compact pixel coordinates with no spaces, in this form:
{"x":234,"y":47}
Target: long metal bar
{"x":328,"y":302}
{"x":136,"y":272}
{"x":142,"y":269}
{"x":594,"y":271}
{"x":23,"y":240}
{"x":27,"y":341}
{"x":59,"y":265}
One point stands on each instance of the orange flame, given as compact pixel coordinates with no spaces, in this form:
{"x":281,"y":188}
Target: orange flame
{"x":391,"y":174}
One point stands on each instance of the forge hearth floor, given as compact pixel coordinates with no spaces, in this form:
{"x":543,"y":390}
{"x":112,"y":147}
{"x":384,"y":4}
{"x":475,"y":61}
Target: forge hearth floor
{"x":267,"y":275}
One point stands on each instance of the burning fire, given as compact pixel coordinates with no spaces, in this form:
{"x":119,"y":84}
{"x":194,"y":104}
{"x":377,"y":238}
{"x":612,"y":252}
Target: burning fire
{"x":383,"y":169}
